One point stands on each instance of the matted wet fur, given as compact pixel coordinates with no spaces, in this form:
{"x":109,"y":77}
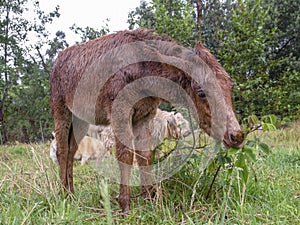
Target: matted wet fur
{"x":72,"y":63}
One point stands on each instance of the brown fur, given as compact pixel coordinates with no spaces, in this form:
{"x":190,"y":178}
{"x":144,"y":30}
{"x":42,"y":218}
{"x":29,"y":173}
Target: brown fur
{"x":69,"y":68}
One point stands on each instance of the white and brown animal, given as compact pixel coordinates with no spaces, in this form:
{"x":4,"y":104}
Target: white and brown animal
{"x":164,"y":125}
{"x":94,"y":131}
{"x":100,"y":139}
{"x":89,"y":148}
{"x":82,"y":63}
{"x":106,"y":136}
{"x":182,"y":123}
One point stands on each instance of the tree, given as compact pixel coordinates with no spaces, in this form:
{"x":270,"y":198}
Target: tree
{"x":256,"y":42}
{"x":185,"y":21}
{"x":89,"y":33}
{"x":59,"y":43}
{"x":176,"y":18}
{"x":216,"y":17}
{"x":284,"y":45}
{"x":142,"y":16}
{"x":246,"y":53}
{"x":10,"y":35}
{"x":243,"y":54}
{"x":15,"y":61}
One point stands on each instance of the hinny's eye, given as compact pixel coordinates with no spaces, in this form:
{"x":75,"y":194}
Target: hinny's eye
{"x":201,"y":93}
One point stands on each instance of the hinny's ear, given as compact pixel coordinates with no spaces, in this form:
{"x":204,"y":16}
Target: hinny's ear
{"x":203,"y":52}
{"x":199,"y":46}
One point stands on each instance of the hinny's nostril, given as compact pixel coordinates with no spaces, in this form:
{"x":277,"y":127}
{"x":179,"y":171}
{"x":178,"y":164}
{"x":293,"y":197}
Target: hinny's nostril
{"x":233,"y":138}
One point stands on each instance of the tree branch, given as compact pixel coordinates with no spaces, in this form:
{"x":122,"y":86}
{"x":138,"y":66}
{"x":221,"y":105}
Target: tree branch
{"x":44,"y":64}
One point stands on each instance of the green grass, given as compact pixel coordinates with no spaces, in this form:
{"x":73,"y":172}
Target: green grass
{"x":30,"y":191}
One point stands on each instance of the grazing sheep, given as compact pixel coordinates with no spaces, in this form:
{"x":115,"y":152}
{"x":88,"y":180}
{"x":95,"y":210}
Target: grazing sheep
{"x":53,"y":150}
{"x":99,"y":140}
{"x":89,"y":148}
{"x":162,"y":126}
{"x":106,"y":136}
{"x":182,"y":123}
{"x":93,"y":131}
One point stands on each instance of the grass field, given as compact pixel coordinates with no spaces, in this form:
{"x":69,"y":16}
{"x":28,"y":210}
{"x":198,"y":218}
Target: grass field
{"x":30,"y":187}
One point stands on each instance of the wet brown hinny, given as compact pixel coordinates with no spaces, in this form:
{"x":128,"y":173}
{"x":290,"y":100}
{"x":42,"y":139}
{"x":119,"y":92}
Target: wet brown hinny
{"x":72,"y":63}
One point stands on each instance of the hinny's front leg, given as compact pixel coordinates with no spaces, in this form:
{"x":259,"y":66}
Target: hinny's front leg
{"x":143,"y":152}
{"x":144,"y":159}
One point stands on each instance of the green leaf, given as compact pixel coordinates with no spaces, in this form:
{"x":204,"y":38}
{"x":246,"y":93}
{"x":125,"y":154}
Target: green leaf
{"x":264,"y":147}
{"x":271,"y":119}
{"x":252,"y":119}
{"x":228,"y":160}
{"x":268,"y":127}
{"x":240,"y":161}
{"x":245,"y":174}
{"x":249,"y":151}
{"x":232,"y":151}
{"x":250,"y":143}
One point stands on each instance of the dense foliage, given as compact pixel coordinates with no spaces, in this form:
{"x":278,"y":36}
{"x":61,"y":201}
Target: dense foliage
{"x":26,"y":57}
{"x":24,"y":99}
{"x":256,"y":41}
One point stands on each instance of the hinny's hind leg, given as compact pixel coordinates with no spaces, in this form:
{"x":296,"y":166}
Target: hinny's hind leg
{"x":78,"y":130}
{"x":62,"y":124}
{"x":125,"y":159}
{"x":66,"y":145}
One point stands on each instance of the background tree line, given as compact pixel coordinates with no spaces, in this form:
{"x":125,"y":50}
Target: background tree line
{"x":256,"y":41}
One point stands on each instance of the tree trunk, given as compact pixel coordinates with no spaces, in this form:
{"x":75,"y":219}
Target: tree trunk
{"x":199,"y":17}
{"x":6,"y":83}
